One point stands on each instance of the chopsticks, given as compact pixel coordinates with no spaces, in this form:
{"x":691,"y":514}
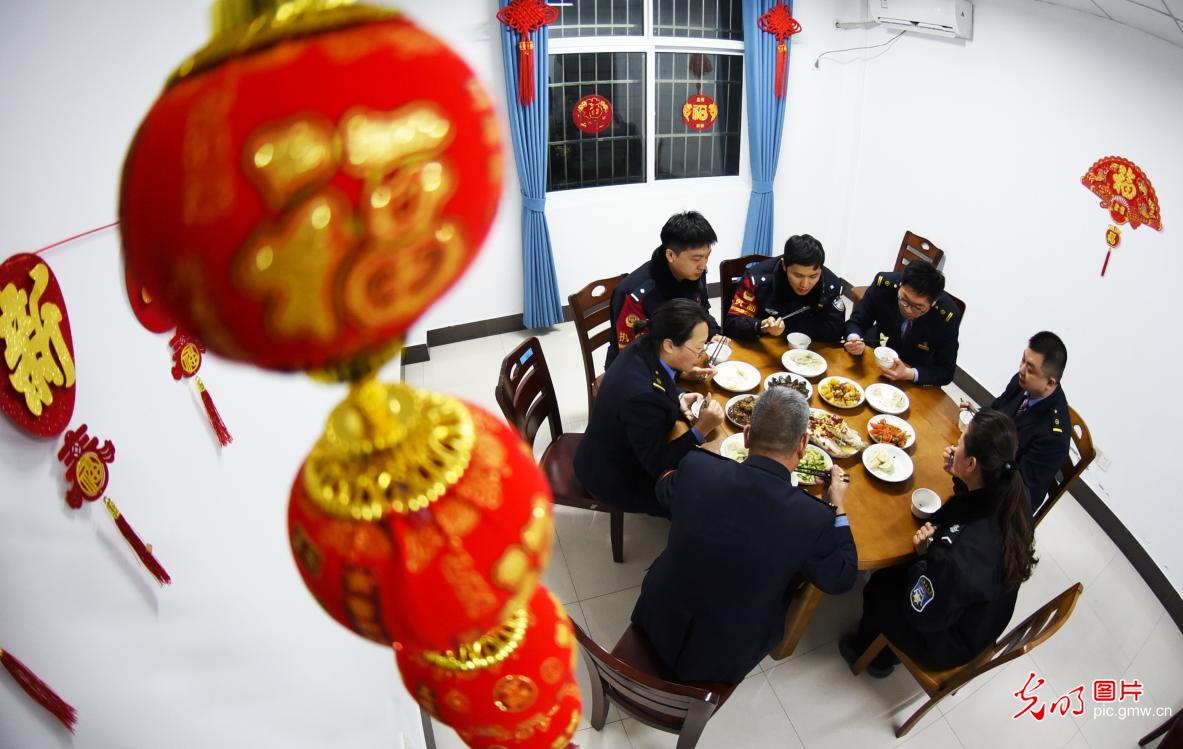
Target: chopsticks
{"x":789,"y":316}
{"x":820,"y":474}
{"x":718,"y":349}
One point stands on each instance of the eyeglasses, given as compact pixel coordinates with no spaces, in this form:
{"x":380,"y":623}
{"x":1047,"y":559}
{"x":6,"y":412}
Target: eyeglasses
{"x":913,"y":306}
{"x":699,"y":353}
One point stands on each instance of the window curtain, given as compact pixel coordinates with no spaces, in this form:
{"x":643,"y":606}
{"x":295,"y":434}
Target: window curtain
{"x":528,"y":129}
{"x":766,"y":116}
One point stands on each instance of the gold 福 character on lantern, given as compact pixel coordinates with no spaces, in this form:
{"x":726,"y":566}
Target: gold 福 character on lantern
{"x":32,"y":334}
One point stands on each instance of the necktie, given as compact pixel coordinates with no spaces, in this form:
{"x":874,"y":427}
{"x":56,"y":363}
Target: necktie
{"x":1022,"y":408}
{"x":904,"y":328}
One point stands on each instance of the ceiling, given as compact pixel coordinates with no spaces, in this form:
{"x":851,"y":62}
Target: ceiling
{"x":1160,"y":18}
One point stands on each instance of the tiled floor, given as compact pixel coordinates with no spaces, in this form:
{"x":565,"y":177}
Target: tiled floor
{"x":1118,"y":631}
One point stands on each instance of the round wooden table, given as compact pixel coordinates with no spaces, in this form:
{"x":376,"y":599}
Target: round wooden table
{"x":880,"y":511}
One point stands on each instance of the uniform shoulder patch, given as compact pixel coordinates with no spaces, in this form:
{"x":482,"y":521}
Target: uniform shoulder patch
{"x":922,"y":594}
{"x":879,"y":280}
{"x":951,"y":533}
{"x":642,"y":290}
{"x":657,"y":383}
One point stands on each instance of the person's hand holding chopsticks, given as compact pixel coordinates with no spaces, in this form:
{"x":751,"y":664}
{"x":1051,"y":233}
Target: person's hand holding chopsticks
{"x":835,"y":491}
{"x":773,"y":326}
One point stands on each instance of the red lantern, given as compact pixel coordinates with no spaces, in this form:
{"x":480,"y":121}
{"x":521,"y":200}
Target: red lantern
{"x":700,"y":112}
{"x":514,"y":688}
{"x":592,"y":113}
{"x":37,"y":366}
{"x":418,"y":519}
{"x":309,"y":183}
{"x":153,"y":315}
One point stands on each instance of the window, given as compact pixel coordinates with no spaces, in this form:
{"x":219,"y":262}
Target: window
{"x":654,"y":61}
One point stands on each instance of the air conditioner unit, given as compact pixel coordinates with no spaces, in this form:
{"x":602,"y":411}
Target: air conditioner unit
{"x":949,"y":18}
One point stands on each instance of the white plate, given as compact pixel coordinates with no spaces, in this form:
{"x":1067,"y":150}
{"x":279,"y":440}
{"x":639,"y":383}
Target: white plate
{"x":803,"y":362}
{"x":730,"y":403}
{"x":895,"y":421}
{"x":791,"y":376}
{"x":880,"y":397}
{"x":861,"y":395}
{"x":805,"y":480}
{"x":724,"y":351}
{"x":733,"y":448}
{"x":737,"y":376}
{"x":902,"y":464}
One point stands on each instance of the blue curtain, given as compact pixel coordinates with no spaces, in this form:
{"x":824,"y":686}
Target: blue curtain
{"x":766,"y":117}
{"x":528,"y":127}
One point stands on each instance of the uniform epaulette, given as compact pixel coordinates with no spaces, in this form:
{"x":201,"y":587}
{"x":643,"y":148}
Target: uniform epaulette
{"x":657,"y":382}
{"x":879,"y":280}
{"x":1056,"y":421}
{"x":944,"y":314}
{"x":643,"y":289}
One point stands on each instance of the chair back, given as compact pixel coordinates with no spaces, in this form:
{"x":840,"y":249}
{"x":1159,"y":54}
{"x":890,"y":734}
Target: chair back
{"x":526,"y":392}
{"x":1070,"y":471}
{"x":730,"y":274}
{"x":666,"y":705}
{"x":591,"y":307}
{"x":960,"y":305}
{"x":915,"y":247}
{"x":1029,"y":634}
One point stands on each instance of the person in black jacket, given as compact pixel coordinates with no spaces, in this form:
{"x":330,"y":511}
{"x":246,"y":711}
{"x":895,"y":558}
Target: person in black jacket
{"x":641,"y":425}
{"x":676,"y":270}
{"x":954,"y":601}
{"x":1035,"y":400}
{"x":713,"y":604}
{"x":797,"y":284}
{"x":920,"y":320}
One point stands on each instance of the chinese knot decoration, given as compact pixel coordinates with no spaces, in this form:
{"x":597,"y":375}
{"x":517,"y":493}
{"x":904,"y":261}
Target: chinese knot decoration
{"x":86,"y":472}
{"x":38,"y":690}
{"x":37,"y":380}
{"x":526,"y":17}
{"x":291,"y":214}
{"x":1125,"y":191}
{"x":700,"y":112}
{"x":186,"y":361}
{"x":592,"y":113}
{"x":779,"y":22}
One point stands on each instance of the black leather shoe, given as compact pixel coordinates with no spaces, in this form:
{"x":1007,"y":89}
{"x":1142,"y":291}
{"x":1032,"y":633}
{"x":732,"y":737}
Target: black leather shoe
{"x":848,"y":647}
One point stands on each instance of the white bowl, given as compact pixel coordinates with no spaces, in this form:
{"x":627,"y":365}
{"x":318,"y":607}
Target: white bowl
{"x":887,"y":399}
{"x":737,"y":376}
{"x":733,"y":448}
{"x":925,"y":502}
{"x":885,"y":357}
{"x":901,"y":464}
{"x":724,"y":352}
{"x":799,"y":340}
{"x":964,"y":418}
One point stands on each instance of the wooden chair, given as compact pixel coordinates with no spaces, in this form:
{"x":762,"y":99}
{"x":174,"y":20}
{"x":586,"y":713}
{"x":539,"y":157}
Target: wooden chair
{"x":633,"y":677}
{"x":1070,"y":472}
{"x":591,"y":307}
{"x":526,"y":395}
{"x":730,"y":274}
{"x":1022,"y":639}
{"x":913,"y":248}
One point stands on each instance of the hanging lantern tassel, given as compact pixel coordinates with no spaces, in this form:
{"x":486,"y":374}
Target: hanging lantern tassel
{"x":215,"y":419}
{"x":39,"y":690}
{"x":142,"y":551}
{"x":526,"y":72}
{"x":779,"y":22}
{"x":526,"y":17}
{"x":782,"y":62}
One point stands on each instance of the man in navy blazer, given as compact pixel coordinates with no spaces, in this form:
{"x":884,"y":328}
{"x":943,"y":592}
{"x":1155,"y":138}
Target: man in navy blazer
{"x":713,"y":604}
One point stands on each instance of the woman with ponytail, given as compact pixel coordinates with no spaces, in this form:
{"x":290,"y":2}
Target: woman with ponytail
{"x":954,"y":601}
{"x":641,"y":424}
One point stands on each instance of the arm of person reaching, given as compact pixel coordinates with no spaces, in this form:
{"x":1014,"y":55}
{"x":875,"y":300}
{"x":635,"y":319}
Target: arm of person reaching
{"x":832,"y":564}
{"x":938,"y":595}
{"x":944,"y":361}
{"x":647,"y":425}
{"x":1040,"y":462}
{"x":740,"y":321}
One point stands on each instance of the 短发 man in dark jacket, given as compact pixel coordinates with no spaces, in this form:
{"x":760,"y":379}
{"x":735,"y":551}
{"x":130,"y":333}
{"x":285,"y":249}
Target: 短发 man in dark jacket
{"x":676,"y":270}
{"x":796,"y":286}
{"x":1035,"y":399}
{"x":713,"y":604}
{"x":921,"y":322}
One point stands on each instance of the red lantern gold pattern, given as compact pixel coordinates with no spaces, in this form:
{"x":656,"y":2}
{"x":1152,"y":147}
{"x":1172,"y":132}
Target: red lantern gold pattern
{"x":1125,"y":191}
{"x":592,"y":114}
{"x":700,"y":112}
{"x":293,"y":213}
{"x":37,"y":379}
{"x":514,"y":688}
{"x":418,"y":519}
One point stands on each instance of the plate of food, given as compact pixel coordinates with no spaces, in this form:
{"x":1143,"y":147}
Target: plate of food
{"x":803,"y":362}
{"x":887,"y":399}
{"x":733,"y":448}
{"x":841,"y":392}
{"x":737,"y":376}
{"x":832,"y":434}
{"x":891,"y":430}
{"x":816,"y":459}
{"x":788,"y":379}
{"x":887,"y":462}
{"x":739,"y":410}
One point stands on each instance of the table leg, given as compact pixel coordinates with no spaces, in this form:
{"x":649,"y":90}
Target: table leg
{"x":797,"y":618}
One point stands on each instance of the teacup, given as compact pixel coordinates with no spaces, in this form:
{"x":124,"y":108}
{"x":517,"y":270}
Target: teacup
{"x":964,"y":418}
{"x":925,"y":502}
{"x":799,"y":340}
{"x":886,"y":357}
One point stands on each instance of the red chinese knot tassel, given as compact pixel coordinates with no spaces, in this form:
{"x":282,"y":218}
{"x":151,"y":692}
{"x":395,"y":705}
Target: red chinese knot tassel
{"x":526,"y":72}
{"x":39,"y":690}
{"x":138,"y":546}
{"x":215,"y":419}
{"x":782,"y":54}
{"x":526,"y":17}
{"x":779,"y":22}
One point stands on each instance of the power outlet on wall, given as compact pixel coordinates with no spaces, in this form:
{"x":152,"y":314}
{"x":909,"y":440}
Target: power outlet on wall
{"x":1102,"y":461}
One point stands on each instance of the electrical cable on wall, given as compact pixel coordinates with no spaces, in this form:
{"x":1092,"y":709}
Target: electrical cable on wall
{"x":855,"y":49}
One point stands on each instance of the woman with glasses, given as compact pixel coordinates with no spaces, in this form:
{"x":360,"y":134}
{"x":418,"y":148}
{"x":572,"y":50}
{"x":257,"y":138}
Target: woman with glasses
{"x":921,"y":322}
{"x":641,"y":424}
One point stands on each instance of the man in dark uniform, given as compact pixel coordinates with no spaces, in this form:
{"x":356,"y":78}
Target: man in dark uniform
{"x":677,"y":269}
{"x":713,"y":604}
{"x":1036,"y":402}
{"x":920,"y":320}
{"x":797,"y":284}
